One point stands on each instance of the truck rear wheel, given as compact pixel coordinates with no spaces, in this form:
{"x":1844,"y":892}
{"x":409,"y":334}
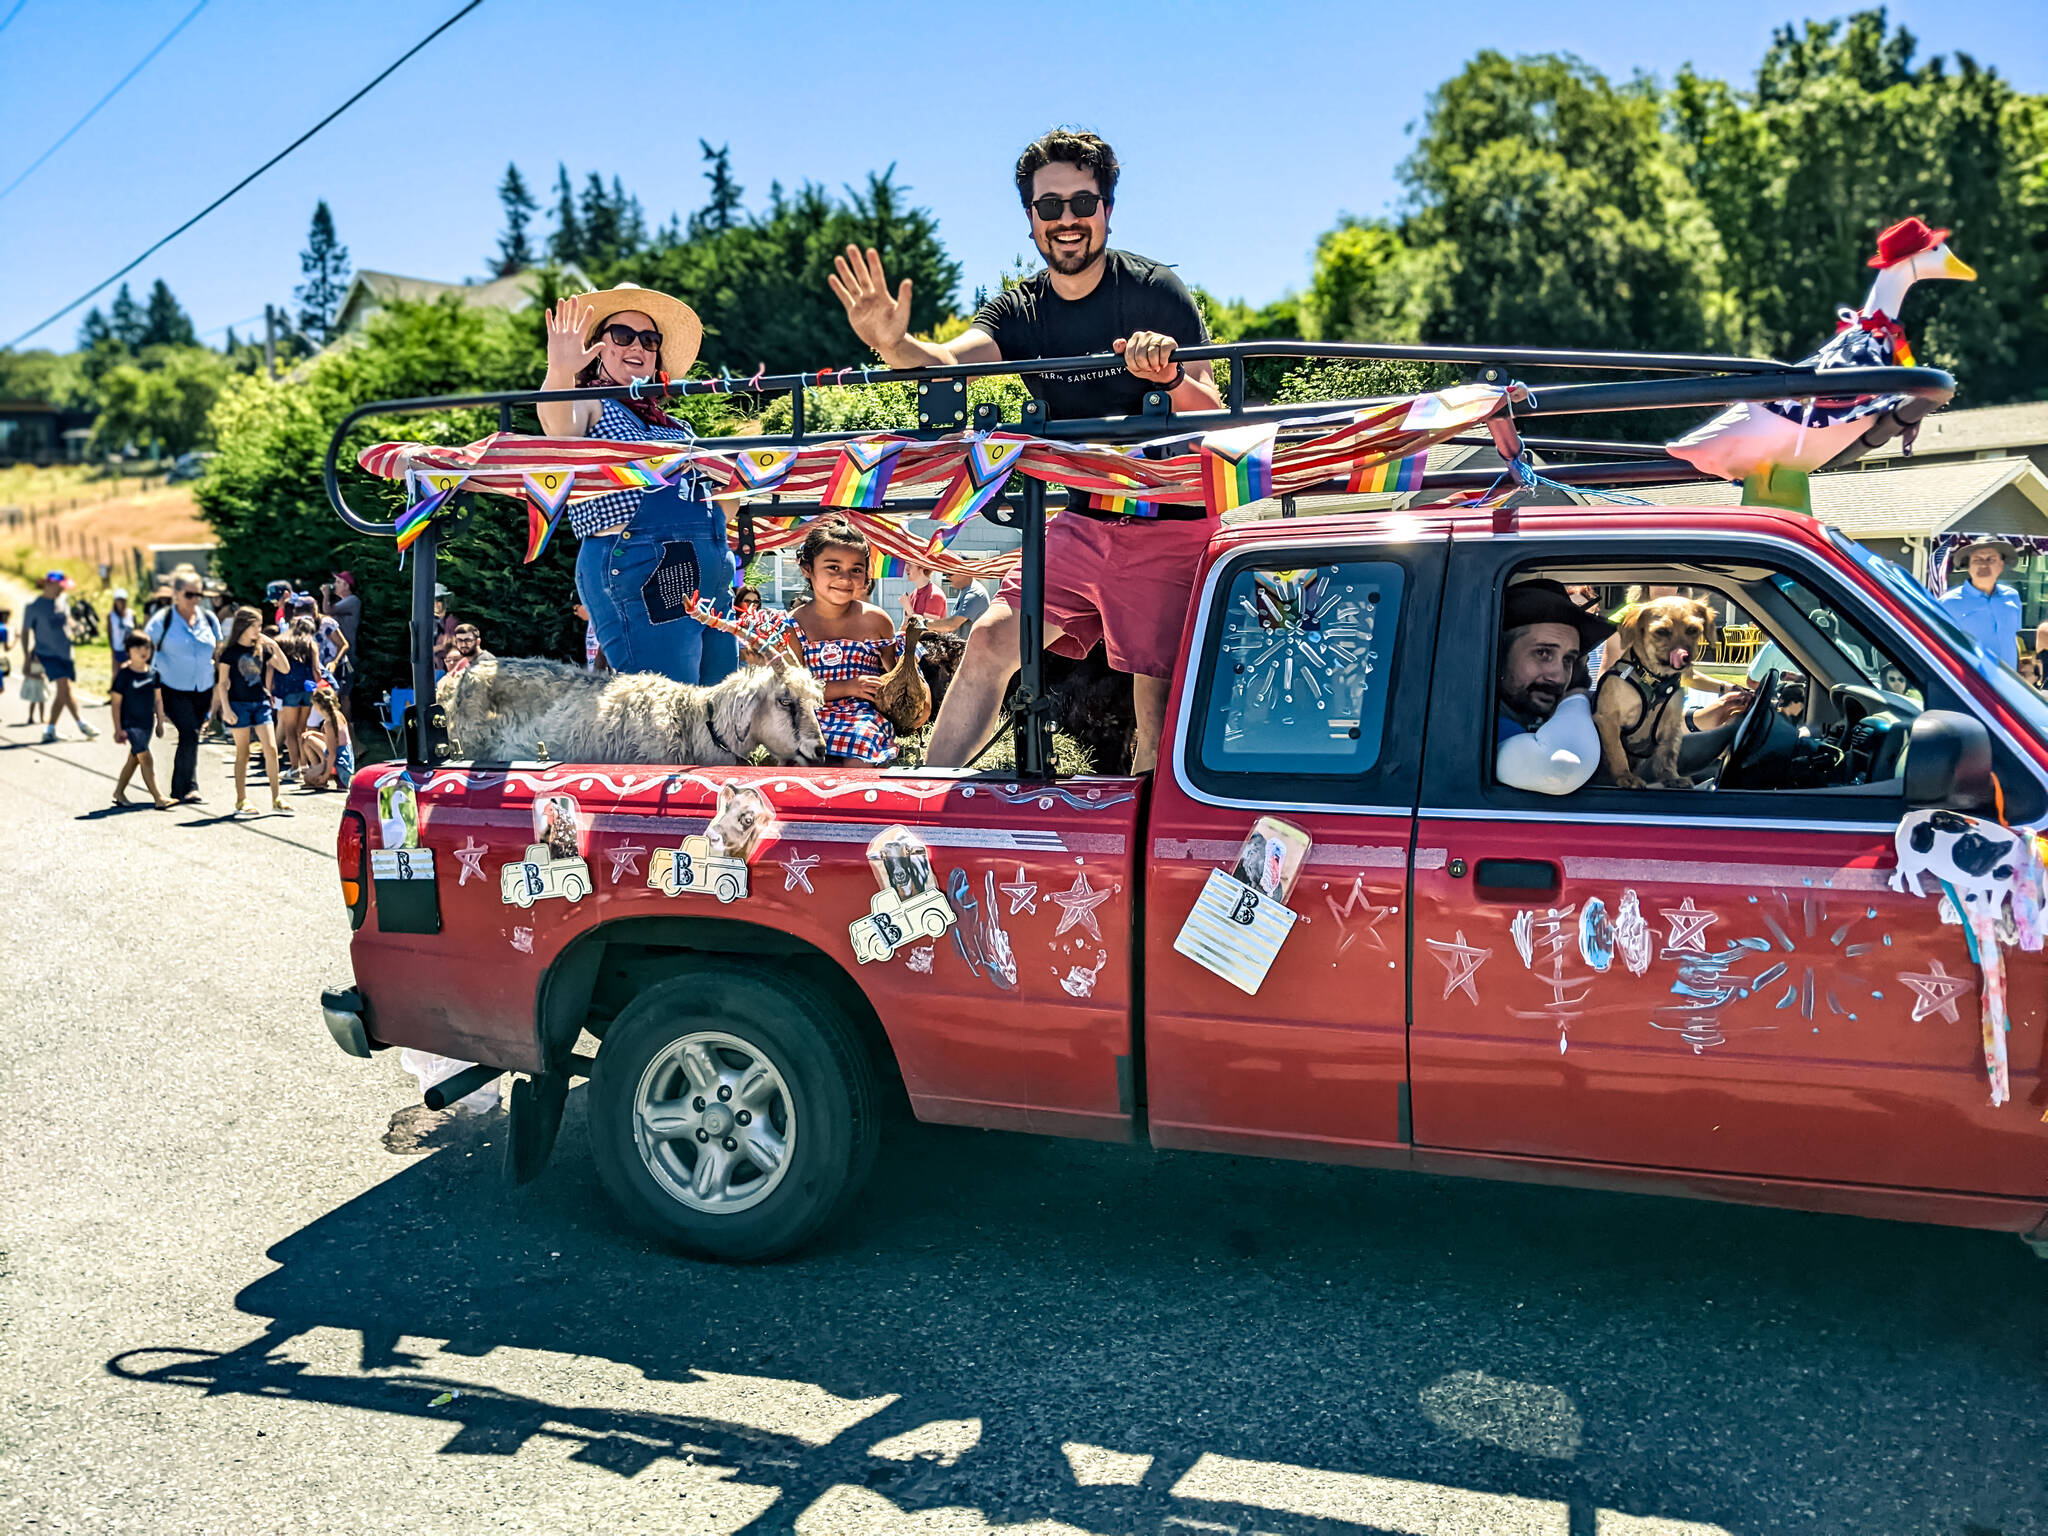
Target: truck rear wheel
{"x":733,"y":1113}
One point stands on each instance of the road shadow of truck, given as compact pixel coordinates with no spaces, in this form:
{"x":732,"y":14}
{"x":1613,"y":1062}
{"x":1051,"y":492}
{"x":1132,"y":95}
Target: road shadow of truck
{"x":1174,"y":1309}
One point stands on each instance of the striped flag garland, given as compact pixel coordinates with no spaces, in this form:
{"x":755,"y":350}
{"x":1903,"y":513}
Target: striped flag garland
{"x":1450,"y":409}
{"x":860,"y":478}
{"x":1237,"y":466}
{"x":1389,"y":476}
{"x":981,"y":478}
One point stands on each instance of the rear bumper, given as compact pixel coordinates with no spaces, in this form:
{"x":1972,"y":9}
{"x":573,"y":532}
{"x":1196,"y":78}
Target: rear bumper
{"x":345,"y":1013}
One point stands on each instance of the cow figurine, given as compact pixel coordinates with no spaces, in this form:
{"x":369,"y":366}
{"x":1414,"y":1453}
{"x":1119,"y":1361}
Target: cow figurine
{"x":1978,"y":860}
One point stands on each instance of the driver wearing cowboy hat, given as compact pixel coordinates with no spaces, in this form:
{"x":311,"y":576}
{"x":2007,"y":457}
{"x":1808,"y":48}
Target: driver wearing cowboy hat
{"x":1984,"y":608}
{"x":1547,"y":741}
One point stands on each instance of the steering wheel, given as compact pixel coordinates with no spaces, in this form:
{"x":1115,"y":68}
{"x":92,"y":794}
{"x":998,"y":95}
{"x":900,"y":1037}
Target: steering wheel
{"x":1749,"y":745}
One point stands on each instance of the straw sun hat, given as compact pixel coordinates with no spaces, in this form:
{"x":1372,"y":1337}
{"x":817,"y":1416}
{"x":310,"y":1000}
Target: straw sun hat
{"x":681,"y":331}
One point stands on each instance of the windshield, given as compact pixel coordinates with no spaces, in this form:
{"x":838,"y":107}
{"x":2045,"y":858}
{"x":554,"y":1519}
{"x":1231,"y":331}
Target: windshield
{"x":2011,"y":688}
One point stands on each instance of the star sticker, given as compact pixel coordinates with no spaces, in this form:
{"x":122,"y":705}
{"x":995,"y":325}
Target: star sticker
{"x":1078,"y":903}
{"x":625,"y":859}
{"x":1935,"y":991}
{"x":1688,"y":927}
{"x":1023,"y":893}
{"x":796,"y":871}
{"x":1355,"y":904}
{"x":471,"y":857}
{"x":1461,"y":965}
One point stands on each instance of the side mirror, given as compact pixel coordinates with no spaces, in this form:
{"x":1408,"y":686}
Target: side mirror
{"x":1948,"y":762}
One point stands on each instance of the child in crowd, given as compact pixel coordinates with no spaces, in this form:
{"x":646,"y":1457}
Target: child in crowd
{"x":243,"y":668}
{"x":34,"y":689}
{"x":137,"y":700}
{"x":329,"y":751}
{"x":848,"y":643}
{"x":300,"y":643}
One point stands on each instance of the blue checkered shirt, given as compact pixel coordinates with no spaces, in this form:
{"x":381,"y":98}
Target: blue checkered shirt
{"x":616,"y":424}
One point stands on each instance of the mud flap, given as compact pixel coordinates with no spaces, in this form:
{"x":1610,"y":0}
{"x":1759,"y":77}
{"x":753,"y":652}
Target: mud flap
{"x":536,"y":1117}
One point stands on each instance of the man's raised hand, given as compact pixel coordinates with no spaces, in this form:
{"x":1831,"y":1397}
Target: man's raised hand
{"x":568,"y":324}
{"x":877,"y":319}
{"x":1148,"y":355}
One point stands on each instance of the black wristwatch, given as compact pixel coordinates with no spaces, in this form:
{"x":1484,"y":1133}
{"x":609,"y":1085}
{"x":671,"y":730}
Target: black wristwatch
{"x":1180,"y":374}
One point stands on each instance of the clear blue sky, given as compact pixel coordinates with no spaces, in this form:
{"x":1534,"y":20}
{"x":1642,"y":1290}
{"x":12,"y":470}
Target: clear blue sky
{"x":1244,"y":129}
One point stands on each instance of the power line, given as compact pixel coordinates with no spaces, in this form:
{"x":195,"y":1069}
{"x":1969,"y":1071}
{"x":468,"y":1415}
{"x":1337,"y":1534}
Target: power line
{"x":19,"y":6}
{"x":231,"y":191}
{"x":94,"y":109}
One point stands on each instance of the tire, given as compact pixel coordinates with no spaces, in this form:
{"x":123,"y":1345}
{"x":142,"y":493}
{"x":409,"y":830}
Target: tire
{"x":784,"y":1053}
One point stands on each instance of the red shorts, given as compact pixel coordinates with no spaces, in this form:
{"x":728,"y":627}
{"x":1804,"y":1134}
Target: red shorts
{"x":1125,"y":583}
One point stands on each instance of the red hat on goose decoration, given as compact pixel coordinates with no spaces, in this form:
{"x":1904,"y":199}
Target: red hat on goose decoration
{"x":1908,"y":237}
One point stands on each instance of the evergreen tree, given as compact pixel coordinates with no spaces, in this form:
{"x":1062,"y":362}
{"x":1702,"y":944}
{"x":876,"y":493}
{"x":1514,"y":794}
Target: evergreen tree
{"x":722,"y":210}
{"x":324,"y":262}
{"x":565,"y":245}
{"x":601,"y":220}
{"x":515,"y":251}
{"x":94,"y":330}
{"x":129,"y":324}
{"x":166,"y":324}
{"x":228,"y":346}
{"x":632,"y":220}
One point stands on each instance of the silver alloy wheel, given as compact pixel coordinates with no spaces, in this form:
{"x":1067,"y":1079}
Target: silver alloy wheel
{"x":714,"y":1122}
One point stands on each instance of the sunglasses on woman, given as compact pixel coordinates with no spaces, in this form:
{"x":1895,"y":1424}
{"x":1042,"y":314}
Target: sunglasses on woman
{"x":625,"y":336}
{"x":1049,"y":207}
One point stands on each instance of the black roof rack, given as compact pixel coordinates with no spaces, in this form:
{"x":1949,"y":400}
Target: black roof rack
{"x":1678,"y":381}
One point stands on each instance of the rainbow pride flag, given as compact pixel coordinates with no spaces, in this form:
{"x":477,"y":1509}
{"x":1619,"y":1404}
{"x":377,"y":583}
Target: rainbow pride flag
{"x":637,"y":477}
{"x":1389,"y":477}
{"x":760,"y":470}
{"x":550,"y":487}
{"x":861,"y":476}
{"x":981,"y":479}
{"x":431,"y":490}
{"x":1237,"y":466}
{"x":540,"y":527}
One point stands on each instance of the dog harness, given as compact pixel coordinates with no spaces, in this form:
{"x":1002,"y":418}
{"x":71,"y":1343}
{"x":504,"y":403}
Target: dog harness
{"x":1655,"y":694}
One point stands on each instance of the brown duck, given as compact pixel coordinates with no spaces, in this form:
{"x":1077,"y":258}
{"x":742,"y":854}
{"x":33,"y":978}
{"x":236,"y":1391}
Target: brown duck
{"x":903,"y":697}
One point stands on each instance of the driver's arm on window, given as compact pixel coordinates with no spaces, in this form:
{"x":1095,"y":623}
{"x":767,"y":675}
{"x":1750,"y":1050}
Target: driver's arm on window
{"x":1557,"y":757}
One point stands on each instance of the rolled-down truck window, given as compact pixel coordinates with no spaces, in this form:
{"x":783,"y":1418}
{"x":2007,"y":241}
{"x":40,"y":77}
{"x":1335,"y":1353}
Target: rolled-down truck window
{"x":1302,"y":662}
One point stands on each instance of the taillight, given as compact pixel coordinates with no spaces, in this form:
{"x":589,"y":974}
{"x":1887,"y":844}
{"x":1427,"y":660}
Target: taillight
{"x":349,"y":845}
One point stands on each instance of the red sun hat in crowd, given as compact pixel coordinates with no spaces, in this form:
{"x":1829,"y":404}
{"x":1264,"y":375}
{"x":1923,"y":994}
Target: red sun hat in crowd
{"x":347,"y":576}
{"x":1908,"y":237}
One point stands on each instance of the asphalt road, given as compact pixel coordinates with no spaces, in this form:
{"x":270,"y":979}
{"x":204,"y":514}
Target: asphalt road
{"x":238,"y":1297}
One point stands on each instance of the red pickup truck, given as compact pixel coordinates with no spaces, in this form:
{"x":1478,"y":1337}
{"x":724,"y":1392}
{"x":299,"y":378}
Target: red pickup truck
{"x":1716,"y":993}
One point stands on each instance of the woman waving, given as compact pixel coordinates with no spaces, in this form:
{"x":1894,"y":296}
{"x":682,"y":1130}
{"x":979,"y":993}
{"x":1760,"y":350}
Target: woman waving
{"x":644,"y":553}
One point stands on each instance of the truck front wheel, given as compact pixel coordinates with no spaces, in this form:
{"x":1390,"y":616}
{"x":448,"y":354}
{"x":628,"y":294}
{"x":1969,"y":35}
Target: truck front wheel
{"x":733,"y":1114}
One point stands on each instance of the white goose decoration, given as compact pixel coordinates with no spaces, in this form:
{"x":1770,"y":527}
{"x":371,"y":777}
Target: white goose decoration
{"x":1748,"y":439}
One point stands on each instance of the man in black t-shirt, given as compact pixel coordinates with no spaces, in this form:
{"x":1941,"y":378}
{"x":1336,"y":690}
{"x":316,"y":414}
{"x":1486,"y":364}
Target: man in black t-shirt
{"x":1122,"y":580}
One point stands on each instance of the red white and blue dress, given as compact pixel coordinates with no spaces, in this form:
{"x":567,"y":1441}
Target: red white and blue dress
{"x":852,"y":727}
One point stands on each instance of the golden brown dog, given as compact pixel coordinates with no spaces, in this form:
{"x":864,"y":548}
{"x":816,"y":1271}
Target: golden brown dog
{"x":1639,"y":705}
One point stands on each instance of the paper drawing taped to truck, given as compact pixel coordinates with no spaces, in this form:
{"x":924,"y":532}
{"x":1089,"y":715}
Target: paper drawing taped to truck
{"x":1271,"y":857}
{"x":743,"y":824}
{"x":693,"y":867}
{"x":398,"y":814}
{"x":909,"y":906}
{"x":558,"y":822}
{"x":540,"y":875}
{"x":1234,"y":931}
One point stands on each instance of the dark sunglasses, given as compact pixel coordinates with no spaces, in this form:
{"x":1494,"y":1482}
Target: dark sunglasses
{"x":625,"y":336}
{"x":1048,"y":208}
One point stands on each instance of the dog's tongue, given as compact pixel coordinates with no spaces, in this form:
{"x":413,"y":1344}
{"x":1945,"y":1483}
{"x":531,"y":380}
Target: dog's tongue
{"x":1681,"y":658}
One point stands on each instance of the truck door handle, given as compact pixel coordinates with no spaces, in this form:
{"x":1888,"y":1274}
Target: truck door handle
{"x":1517,"y":878}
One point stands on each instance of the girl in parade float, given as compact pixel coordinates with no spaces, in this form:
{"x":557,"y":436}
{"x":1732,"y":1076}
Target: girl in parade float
{"x":645,"y":553}
{"x":848,"y":643}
